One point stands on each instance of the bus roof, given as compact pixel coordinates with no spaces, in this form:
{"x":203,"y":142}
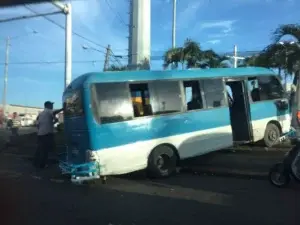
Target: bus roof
{"x":143,"y":75}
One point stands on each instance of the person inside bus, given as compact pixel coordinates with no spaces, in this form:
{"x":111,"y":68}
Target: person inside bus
{"x":255,"y":93}
{"x":195,"y":103}
{"x":45,"y":125}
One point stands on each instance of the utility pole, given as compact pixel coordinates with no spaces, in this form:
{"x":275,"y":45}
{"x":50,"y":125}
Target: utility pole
{"x":174,"y":25}
{"x":68,"y":44}
{"x":235,"y":57}
{"x":67,"y":10}
{"x":107,"y":56}
{"x":5,"y":75}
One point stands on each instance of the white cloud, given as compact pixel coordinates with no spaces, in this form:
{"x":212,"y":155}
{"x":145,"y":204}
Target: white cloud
{"x":226,"y":26}
{"x":214,"y":42}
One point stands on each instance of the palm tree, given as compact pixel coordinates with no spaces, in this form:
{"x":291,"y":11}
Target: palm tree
{"x":287,"y":29}
{"x":188,"y":54}
{"x":293,"y":57}
{"x":173,"y":57}
{"x":192,"y":56}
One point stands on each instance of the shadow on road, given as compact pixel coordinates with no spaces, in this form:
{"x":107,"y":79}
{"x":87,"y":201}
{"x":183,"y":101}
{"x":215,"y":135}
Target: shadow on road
{"x":130,"y":203}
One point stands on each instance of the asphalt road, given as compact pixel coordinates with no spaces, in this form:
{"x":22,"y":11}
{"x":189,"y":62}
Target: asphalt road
{"x":132,"y":200}
{"x":183,"y":199}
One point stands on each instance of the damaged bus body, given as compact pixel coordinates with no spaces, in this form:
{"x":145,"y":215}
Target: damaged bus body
{"x":120,"y":122}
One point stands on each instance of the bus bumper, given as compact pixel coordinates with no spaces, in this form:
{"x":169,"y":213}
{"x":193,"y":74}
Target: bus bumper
{"x":80,"y":172}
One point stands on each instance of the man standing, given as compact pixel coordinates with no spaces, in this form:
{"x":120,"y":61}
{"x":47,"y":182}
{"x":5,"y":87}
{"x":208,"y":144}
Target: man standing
{"x":45,"y":126}
{"x":14,"y":124}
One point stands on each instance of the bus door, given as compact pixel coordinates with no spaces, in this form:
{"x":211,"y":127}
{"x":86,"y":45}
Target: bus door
{"x":264,"y":94}
{"x":239,"y":110}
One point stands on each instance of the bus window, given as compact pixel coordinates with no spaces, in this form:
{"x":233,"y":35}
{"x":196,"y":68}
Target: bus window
{"x":192,"y":95}
{"x":74,"y":105}
{"x":265,"y":88}
{"x":111,"y":103}
{"x":140,"y":100}
{"x":214,"y":93}
{"x":165,"y":97}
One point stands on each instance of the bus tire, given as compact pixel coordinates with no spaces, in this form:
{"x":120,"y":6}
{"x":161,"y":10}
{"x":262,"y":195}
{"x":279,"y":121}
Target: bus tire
{"x":272,"y":135}
{"x":162,"y":162}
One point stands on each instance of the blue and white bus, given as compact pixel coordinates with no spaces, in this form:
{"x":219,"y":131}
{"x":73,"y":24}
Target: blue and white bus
{"x":135,"y":120}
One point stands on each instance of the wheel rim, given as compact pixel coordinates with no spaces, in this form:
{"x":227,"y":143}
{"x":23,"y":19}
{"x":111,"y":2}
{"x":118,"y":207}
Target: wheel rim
{"x":163,"y":162}
{"x":272,"y":135}
{"x":296,"y":166}
{"x":278,"y":178}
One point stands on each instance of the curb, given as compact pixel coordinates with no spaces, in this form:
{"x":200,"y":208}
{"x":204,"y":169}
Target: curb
{"x":225,"y":172}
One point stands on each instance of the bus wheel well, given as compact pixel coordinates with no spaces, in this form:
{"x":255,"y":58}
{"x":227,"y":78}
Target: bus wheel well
{"x":275,"y":122}
{"x":173,"y":148}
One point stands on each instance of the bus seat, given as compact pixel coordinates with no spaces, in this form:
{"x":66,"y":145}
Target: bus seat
{"x":148,"y":110}
{"x":136,"y":111}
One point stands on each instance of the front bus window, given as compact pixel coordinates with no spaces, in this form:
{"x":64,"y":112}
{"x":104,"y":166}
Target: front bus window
{"x":265,"y":88}
{"x":74,"y":106}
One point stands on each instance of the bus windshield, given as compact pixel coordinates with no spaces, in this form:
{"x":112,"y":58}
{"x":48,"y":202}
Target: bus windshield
{"x":74,"y":106}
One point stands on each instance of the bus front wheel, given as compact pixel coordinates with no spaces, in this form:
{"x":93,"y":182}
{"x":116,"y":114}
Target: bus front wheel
{"x":162,"y":162}
{"x":272,"y":135}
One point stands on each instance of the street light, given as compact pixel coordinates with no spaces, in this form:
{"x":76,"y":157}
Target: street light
{"x":8,"y":39}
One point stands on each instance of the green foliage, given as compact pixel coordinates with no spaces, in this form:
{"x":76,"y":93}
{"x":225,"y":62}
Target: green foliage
{"x":144,"y":65}
{"x":191,"y":56}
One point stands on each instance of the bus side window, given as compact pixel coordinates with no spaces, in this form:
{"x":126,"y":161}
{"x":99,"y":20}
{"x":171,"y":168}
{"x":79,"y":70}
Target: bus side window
{"x":270,"y":88}
{"x":165,"y":97}
{"x":140,"y":99}
{"x":265,"y":88}
{"x":214,"y":93}
{"x":254,"y":89}
{"x":192,"y":95}
{"x":112,"y":102}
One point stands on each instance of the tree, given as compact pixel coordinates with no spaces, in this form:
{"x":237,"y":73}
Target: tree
{"x":191,"y":56}
{"x":117,"y":68}
{"x":144,"y":65}
{"x":293,"y":59}
{"x":286,"y":29}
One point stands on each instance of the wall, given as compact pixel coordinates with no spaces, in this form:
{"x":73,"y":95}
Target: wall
{"x":10,"y":109}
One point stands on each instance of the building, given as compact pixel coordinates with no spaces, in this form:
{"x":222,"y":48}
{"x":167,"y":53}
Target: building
{"x":20,"y":109}
{"x":139,"y":32}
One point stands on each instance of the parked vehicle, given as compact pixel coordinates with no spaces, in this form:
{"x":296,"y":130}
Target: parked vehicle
{"x":280,"y":174}
{"x":134,"y":120}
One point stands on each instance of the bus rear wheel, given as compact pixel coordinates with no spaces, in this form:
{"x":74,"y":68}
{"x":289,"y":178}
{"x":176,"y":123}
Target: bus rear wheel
{"x":272,"y":135}
{"x":162,"y":162}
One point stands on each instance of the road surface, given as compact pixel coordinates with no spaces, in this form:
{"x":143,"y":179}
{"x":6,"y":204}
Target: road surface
{"x":183,"y":199}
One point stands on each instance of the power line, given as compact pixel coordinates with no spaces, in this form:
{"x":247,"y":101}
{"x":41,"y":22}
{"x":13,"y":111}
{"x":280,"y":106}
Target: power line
{"x":51,"y":62}
{"x":61,"y":26}
{"x":116,"y":13}
{"x":75,"y":33}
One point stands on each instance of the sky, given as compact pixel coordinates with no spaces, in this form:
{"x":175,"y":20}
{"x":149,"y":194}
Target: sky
{"x":215,"y":24}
